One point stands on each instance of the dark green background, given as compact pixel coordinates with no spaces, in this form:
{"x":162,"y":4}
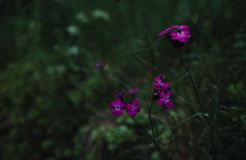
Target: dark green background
{"x":54,"y":102}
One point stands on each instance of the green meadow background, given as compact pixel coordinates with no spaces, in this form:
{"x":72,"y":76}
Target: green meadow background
{"x":54,"y":101}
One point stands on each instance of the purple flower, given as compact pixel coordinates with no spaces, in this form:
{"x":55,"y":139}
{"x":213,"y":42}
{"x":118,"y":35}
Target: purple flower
{"x":182,"y":36}
{"x":159,"y":84}
{"x":164,"y":99}
{"x":177,"y":34}
{"x":184,"y":27}
{"x":133,"y":109}
{"x":162,"y":92}
{"x":133,"y":91}
{"x":117,"y":107}
{"x":168,"y":30}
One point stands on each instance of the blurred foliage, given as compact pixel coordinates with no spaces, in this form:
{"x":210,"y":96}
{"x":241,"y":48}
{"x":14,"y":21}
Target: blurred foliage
{"x":54,"y":101}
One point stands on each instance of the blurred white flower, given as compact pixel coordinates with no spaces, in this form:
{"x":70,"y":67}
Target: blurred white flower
{"x":73,"y":50}
{"x":98,"y":13}
{"x":73,"y":30}
{"x":82,"y":17}
{"x":59,"y":68}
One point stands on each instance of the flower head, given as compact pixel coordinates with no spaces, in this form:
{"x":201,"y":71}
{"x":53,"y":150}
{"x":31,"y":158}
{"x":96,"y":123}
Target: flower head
{"x":164,"y":99}
{"x":159,"y":84}
{"x":162,"y":92}
{"x":117,"y":107}
{"x":133,"y":108}
{"x":181,"y":36}
{"x":177,"y":34}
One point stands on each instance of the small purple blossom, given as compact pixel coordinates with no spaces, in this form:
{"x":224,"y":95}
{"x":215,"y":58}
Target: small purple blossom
{"x":177,"y":34}
{"x":133,"y":91}
{"x":133,"y":109}
{"x":182,"y":36}
{"x":159,"y":84}
{"x":162,"y":92}
{"x":184,"y":27}
{"x":164,"y":99}
{"x":117,"y":107}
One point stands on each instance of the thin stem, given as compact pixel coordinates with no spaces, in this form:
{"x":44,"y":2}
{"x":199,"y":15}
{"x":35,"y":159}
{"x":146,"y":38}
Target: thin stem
{"x":211,"y":147}
{"x":199,"y":103}
{"x":151,"y":121}
{"x":144,"y":130}
{"x":163,"y":156}
{"x":159,"y":149}
{"x":149,"y":136}
{"x":194,"y":88}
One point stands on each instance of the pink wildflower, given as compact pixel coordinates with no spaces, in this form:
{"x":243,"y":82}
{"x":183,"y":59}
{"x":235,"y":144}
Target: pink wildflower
{"x":168,"y":30}
{"x":162,"y":92}
{"x":159,"y":84}
{"x":164,"y":99}
{"x":117,"y":107}
{"x":182,"y":36}
{"x":177,"y":34}
{"x":133,"y":109}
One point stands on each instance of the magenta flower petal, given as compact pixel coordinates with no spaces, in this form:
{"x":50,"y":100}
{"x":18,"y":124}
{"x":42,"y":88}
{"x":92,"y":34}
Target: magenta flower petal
{"x":185,"y":32}
{"x":132,"y":113}
{"x":160,"y":84}
{"x":117,"y":107}
{"x":169,"y":105}
{"x":168,"y":30}
{"x":177,"y":34}
{"x":133,"y":109}
{"x":182,"y":36}
{"x":116,"y":112}
{"x":169,"y":94}
{"x":165,"y":86}
{"x":135,"y":102}
{"x":184,"y":27}
{"x":183,"y":40}
{"x":162,"y":93}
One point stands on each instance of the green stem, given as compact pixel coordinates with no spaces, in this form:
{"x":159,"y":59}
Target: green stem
{"x":143,"y":129}
{"x":163,"y":156}
{"x":151,"y":121}
{"x":198,"y":101}
{"x":159,"y":149}
{"x":194,"y":89}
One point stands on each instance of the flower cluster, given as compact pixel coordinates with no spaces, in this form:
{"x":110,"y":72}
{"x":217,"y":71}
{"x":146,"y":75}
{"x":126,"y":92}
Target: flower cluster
{"x":162,"y":96}
{"x":177,"y":34}
{"x":162,"y":92}
{"x":118,"y":106}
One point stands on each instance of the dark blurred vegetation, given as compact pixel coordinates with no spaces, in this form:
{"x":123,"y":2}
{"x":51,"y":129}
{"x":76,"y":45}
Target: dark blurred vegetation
{"x":54,"y":102}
